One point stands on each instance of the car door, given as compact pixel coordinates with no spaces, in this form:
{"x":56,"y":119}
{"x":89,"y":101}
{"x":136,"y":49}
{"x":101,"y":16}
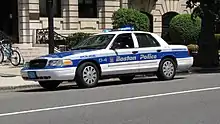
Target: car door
{"x":149,"y":52}
{"x":124,"y":57}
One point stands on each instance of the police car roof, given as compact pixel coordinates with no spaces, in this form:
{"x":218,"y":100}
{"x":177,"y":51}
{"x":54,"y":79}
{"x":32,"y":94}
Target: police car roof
{"x":121,"y":32}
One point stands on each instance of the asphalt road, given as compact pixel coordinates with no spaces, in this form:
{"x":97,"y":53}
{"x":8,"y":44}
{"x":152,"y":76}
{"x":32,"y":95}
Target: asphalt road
{"x":189,"y":99}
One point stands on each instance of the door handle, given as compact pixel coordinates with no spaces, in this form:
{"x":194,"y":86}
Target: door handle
{"x":159,"y":50}
{"x":134,"y":52}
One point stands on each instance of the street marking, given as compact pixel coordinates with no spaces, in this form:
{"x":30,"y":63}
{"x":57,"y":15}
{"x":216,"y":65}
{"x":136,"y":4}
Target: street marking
{"x":107,"y":101}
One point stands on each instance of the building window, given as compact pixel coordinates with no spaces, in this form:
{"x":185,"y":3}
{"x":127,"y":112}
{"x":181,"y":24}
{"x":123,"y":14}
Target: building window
{"x":87,"y":8}
{"x":56,"y":6}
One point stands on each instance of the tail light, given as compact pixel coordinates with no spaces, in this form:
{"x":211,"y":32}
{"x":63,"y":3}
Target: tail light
{"x":189,"y":52}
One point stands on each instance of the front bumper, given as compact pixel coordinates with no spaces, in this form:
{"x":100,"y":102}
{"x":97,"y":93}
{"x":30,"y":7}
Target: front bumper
{"x":62,"y":74}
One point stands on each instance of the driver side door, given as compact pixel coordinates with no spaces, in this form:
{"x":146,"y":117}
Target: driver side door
{"x":124,"y":55}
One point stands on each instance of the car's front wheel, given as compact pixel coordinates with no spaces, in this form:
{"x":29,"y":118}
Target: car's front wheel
{"x":87,"y":75}
{"x":167,"y":69}
{"x":50,"y":85}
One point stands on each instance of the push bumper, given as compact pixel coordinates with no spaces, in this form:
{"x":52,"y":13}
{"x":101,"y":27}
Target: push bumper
{"x":62,"y":74}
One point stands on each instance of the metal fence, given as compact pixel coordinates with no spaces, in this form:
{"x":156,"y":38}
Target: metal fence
{"x":60,"y":41}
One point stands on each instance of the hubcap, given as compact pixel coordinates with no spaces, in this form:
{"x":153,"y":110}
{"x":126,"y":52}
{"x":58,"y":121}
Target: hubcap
{"x":89,"y":75}
{"x":168,"y":69}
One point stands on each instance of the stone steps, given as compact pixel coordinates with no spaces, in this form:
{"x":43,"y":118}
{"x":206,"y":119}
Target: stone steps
{"x":28,"y":52}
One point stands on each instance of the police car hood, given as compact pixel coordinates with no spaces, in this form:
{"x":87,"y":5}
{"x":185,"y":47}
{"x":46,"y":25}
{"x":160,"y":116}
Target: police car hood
{"x":68,"y":53}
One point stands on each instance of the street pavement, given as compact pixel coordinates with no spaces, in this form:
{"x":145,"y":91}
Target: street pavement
{"x":189,"y":99}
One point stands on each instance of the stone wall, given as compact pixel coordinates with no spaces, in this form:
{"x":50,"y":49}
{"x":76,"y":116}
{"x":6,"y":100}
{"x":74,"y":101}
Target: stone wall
{"x":29,"y":19}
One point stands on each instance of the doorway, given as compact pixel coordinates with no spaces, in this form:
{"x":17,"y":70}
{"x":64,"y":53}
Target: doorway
{"x":166,"y":19}
{"x":9,"y":19}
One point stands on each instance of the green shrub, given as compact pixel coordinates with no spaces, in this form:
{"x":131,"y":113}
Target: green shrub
{"x":184,"y":30}
{"x":217,"y":37}
{"x":132,"y":17}
{"x":75,"y":38}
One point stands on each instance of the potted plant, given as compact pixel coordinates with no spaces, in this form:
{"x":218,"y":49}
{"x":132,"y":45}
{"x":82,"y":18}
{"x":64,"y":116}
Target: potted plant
{"x":193,"y":48}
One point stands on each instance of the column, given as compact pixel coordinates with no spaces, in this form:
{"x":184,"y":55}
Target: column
{"x":23,"y":24}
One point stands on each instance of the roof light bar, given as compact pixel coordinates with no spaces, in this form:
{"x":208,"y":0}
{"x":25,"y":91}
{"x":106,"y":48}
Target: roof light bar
{"x":125,"y":28}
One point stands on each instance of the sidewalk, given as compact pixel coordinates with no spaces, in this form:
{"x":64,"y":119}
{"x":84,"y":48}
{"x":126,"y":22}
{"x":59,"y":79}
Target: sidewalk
{"x":10,"y":78}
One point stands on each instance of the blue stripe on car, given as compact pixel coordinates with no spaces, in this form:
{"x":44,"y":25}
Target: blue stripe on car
{"x":126,"y":58}
{"x":132,"y":57}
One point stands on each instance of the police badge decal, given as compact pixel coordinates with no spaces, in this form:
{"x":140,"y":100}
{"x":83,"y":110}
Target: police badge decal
{"x":111,"y":59}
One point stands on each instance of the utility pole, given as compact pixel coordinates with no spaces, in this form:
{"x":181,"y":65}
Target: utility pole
{"x":50,"y":25}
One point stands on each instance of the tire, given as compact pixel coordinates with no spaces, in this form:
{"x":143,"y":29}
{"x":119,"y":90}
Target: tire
{"x":1,"y":56}
{"x":126,"y":78}
{"x":87,"y":75}
{"x":167,"y":69}
{"x":18,"y":58}
{"x":50,"y":85}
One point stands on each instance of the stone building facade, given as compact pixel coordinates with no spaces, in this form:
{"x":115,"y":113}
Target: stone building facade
{"x":90,"y":15}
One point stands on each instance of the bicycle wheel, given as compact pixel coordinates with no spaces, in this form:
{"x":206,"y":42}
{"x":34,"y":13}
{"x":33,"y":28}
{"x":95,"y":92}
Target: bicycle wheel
{"x":15,"y":58}
{"x":1,"y":56}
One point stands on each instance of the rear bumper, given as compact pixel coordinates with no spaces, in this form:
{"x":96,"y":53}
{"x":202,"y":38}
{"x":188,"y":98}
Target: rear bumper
{"x":61,"y":74}
{"x":184,"y":63}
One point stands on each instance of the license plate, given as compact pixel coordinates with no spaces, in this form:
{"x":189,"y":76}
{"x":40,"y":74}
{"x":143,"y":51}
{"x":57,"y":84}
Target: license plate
{"x":32,"y":75}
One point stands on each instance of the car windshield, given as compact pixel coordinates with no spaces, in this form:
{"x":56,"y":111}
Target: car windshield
{"x":95,"y":42}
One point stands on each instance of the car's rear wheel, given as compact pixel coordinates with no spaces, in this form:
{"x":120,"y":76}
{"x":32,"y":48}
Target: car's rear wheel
{"x":167,"y":69}
{"x":50,"y":85}
{"x":87,"y":75}
{"x":126,"y":78}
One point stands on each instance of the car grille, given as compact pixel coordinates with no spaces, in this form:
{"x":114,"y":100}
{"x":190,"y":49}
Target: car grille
{"x":37,"y":63}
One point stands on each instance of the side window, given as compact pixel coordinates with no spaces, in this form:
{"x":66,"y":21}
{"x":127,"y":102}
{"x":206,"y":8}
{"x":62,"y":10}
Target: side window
{"x":146,"y":40}
{"x":123,"y":41}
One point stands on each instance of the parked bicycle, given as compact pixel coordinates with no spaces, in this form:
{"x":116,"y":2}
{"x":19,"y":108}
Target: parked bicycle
{"x":12,"y":55}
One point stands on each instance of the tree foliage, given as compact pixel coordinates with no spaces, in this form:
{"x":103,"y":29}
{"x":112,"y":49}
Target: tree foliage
{"x":132,"y":17}
{"x":184,"y":30}
{"x":209,"y":11}
{"x":213,"y":7}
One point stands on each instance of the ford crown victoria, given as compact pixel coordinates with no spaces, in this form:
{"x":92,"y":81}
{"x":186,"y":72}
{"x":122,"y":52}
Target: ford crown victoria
{"x":118,"y":54}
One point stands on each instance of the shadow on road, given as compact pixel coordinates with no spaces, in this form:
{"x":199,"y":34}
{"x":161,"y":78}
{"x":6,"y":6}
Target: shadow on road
{"x":71,"y":86}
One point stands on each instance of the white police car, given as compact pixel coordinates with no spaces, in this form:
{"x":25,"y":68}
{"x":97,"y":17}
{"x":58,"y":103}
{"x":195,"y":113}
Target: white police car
{"x":121,"y":54}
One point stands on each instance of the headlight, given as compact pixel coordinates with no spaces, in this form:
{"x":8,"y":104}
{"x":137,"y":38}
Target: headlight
{"x":55,"y":63}
{"x":60,"y":63}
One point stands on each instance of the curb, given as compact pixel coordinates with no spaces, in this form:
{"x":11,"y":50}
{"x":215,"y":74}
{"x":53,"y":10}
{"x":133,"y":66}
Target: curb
{"x":205,"y":70}
{"x":8,"y":88}
{"x":8,"y":75}
{"x":23,"y":87}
